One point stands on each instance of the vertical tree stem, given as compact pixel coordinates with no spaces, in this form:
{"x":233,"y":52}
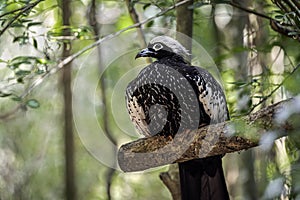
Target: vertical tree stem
{"x":70,"y":190}
{"x":135,"y":18}
{"x":184,"y":24}
{"x":105,"y":114}
{"x":184,"y":34}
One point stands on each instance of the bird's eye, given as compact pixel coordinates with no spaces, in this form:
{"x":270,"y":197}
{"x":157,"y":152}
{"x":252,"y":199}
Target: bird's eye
{"x":157,"y":46}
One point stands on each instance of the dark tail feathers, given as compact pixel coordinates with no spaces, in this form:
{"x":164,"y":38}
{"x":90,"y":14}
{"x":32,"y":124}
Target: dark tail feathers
{"x":203,"y":179}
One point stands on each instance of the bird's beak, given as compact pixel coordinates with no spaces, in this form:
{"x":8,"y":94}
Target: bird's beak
{"x":145,"y":53}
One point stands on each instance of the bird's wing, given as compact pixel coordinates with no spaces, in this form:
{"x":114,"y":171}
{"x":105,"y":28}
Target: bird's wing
{"x":210,"y":94}
{"x":137,"y":114}
{"x":160,"y":100}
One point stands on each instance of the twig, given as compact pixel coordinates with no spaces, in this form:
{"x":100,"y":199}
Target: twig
{"x":24,"y":9}
{"x":280,"y":27}
{"x":171,"y":181}
{"x":11,"y":113}
{"x":297,"y":3}
{"x":287,"y":6}
{"x":70,"y":58}
{"x":135,"y":18}
{"x":250,"y":11}
{"x":67,"y":60}
{"x":275,"y":89}
{"x":12,"y":11}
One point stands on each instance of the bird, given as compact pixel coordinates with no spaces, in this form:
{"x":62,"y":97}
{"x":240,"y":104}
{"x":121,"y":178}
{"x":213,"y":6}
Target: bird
{"x":169,"y":96}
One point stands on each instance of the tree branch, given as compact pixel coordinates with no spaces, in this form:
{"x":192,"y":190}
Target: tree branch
{"x":72,"y":57}
{"x":69,"y":59}
{"x":275,"y":89}
{"x":135,"y":18}
{"x":289,"y":27}
{"x":287,"y":6}
{"x":233,"y":4}
{"x":216,"y":139}
{"x":21,"y":12}
{"x":171,"y":181}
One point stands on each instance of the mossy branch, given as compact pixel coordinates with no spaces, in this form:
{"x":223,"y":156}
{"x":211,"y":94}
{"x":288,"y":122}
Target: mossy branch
{"x":217,"y":139}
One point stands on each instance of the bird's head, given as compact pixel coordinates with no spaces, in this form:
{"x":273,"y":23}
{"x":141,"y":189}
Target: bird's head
{"x":163,"y":46}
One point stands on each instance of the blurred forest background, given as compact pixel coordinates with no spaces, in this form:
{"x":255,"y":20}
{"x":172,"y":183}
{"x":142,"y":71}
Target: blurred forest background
{"x":52,"y":72}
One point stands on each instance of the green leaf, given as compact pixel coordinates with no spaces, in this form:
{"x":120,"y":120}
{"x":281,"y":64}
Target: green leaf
{"x":197,"y":5}
{"x":293,"y":82}
{"x":35,"y":44}
{"x":258,"y":96}
{"x":239,"y":83}
{"x":21,"y":39}
{"x":3,"y":61}
{"x":20,"y":80}
{"x":40,"y":71}
{"x":34,"y":24}
{"x":33,"y":103}
{"x":17,"y":25}
{"x":221,"y":1}
{"x":42,"y":61}
{"x":16,"y":98}
{"x":14,"y":65}
{"x":25,"y":20}
{"x":293,"y":33}
{"x":3,"y":21}
{"x":279,"y":17}
{"x":149,"y":24}
{"x":22,"y":60}
{"x":22,"y":72}
{"x":146,"y":6}
{"x":4,"y":94}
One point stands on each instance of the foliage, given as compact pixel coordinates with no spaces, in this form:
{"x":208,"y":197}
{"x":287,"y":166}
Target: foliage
{"x":258,"y":63}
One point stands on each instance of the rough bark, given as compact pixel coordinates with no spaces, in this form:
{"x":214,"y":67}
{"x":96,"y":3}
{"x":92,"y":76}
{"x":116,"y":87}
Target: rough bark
{"x":216,"y":139}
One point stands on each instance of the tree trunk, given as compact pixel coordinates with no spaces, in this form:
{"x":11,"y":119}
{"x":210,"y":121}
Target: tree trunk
{"x":184,"y":34}
{"x":184,"y":25}
{"x":103,"y":94}
{"x":70,"y":190}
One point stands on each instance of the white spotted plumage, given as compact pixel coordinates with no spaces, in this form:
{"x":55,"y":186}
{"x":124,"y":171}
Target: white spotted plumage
{"x":137,"y":116}
{"x":212,"y":97}
{"x":153,"y":108}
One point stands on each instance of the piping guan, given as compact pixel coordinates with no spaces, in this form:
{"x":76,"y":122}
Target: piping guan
{"x":169,"y":96}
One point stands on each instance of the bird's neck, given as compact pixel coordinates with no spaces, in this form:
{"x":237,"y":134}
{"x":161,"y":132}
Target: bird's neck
{"x":174,"y":58}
